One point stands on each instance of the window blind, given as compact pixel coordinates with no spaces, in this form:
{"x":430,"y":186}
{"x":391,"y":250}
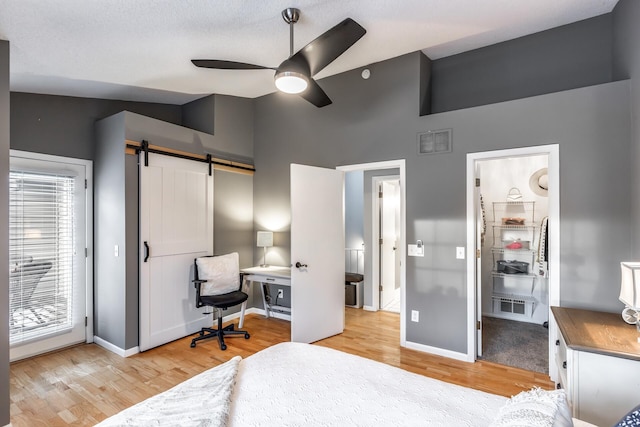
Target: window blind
{"x":41,"y":254}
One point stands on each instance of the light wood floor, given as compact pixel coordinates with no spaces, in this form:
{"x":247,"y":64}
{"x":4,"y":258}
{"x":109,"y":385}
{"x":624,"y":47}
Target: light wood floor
{"x":83,"y":385}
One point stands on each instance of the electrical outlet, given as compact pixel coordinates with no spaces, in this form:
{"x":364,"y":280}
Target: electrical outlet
{"x":280,"y":293}
{"x":415,"y":316}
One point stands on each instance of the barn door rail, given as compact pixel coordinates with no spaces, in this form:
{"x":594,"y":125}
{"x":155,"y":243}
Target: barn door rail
{"x":135,"y":147}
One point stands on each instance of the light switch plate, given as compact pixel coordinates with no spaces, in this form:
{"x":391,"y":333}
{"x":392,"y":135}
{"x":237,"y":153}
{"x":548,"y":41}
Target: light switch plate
{"x":460,"y":252}
{"x":414,"y":250}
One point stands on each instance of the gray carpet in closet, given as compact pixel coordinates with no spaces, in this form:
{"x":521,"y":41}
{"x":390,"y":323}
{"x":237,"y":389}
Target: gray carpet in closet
{"x":518,"y":344}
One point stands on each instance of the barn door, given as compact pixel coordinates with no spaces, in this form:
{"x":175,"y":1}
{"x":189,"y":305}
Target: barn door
{"x":176,"y":226}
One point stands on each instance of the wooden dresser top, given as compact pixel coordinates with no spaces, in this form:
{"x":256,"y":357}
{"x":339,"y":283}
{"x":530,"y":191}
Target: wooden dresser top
{"x":598,"y":332}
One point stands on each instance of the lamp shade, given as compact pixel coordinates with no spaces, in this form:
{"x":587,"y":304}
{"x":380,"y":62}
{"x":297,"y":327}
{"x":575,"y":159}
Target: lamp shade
{"x":265,"y":239}
{"x":630,"y":284}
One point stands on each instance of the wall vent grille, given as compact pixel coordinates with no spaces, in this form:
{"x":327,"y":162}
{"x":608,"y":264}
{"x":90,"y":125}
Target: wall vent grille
{"x":511,"y":305}
{"x":434,"y":141}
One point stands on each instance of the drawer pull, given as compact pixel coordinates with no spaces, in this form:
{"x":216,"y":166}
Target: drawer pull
{"x":564,"y":364}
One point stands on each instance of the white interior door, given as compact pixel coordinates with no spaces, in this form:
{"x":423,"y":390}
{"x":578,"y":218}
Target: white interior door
{"x":317,"y":242}
{"x":388,"y":245}
{"x":176,"y":226}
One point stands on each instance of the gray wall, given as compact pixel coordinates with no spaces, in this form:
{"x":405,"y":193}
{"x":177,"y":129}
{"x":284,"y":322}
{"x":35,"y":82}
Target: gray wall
{"x":110,"y":297}
{"x":4,"y":227}
{"x":562,"y":58}
{"x":378,"y":119}
{"x":233,"y":220}
{"x":200,"y":114}
{"x":64,"y":126}
{"x":626,"y":48}
{"x":229,"y":118}
{"x":354,"y":209}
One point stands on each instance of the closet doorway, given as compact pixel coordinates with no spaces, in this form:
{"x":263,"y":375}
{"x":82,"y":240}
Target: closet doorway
{"x":513,"y":229}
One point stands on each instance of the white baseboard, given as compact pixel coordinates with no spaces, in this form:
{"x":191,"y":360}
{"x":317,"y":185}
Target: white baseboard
{"x":115,"y":349}
{"x":135,"y":350}
{"x":369,"y":308}
{"x":437,"y":351}
{"x":255,"y":310}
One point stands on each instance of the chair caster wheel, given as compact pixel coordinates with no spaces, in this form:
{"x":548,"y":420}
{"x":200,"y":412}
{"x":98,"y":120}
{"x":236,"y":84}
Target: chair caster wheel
{"x":201,"y":333}
{"x":246,"y":336}
{"x":193,"y":344}
{"x":223,"y":347}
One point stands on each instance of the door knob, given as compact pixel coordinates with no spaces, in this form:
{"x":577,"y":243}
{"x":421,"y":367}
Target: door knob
{"x":300,"y":265}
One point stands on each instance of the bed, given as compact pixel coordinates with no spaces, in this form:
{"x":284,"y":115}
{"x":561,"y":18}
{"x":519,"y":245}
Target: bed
{"x":293,"y":384}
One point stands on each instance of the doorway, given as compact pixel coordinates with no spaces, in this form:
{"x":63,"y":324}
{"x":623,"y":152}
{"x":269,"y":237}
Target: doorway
{"x":50,"y":280}
{"x":500,"y":302}
{"x":371,"y":228}
{"x":512,"y":281}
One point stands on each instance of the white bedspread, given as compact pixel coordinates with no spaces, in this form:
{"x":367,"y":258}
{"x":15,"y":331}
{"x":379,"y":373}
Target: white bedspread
{"x":293,"y":384}
{"x":200,"y":401}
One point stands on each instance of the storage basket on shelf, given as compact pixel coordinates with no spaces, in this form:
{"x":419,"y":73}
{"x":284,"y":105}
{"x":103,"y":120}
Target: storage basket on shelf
{"x":512,"y":266}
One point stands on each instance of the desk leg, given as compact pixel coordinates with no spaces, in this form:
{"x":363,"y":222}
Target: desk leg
{"x":267,"y":308}
{"x":242,"y":308}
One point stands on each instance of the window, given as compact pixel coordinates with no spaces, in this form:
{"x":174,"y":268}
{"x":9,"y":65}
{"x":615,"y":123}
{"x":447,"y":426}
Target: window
{"x":41,"y":248}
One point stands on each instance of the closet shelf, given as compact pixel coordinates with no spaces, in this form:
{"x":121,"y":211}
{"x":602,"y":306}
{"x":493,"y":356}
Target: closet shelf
{"x":517,"y":251}
{"x":515,"y":276}
{"x":518,"y":203}
{"x":526,"y":226}
{"x":525,"y":298}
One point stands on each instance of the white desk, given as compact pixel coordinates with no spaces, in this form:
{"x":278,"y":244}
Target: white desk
{"x":268,"y":275}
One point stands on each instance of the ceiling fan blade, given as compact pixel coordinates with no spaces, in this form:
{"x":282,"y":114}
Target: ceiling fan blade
{"x":315,"y":95}
{"x":227,"y":65}
{"x":330,"y":45}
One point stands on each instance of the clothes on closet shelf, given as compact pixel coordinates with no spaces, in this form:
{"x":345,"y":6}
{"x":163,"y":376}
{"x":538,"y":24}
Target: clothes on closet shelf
{"x":543,"y":248}
{"x":484,"y":221}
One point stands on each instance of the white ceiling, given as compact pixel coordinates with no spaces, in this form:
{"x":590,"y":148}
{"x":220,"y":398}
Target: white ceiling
{"x":141,"y":49}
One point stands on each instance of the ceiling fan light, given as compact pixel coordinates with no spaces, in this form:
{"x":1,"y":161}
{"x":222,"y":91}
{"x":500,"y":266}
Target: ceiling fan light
{"x":291,"y":81}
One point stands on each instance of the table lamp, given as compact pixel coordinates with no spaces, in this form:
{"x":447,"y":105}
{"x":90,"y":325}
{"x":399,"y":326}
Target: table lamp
{"x":630,"y":291}
{"x":265,"y":240}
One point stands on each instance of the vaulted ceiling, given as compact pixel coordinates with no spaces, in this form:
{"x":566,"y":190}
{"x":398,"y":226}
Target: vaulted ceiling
{"x":141,"y":49}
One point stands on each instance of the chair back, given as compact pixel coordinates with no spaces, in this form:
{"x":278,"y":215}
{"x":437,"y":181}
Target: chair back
{"x":24,"y":278}
{"x":221,"y":272}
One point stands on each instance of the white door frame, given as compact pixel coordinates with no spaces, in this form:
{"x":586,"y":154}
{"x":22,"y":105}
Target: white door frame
{"x":24,"y":351}
{"x":553,"y":151}
{"x":392,"y":164}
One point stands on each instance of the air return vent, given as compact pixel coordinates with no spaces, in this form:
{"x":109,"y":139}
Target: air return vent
{"x":434,"y":141}
{"x":513,"y":305}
